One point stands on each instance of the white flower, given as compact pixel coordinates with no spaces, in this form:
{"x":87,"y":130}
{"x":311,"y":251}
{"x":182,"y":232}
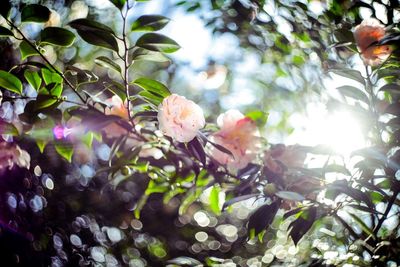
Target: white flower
{"x":180,"y":118}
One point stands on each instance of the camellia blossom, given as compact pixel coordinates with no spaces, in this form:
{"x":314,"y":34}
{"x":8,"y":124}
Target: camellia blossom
{"x":12,"y":154}
{"x":365,"y":35}
{"x":180,"y":118}
{"x":117,"y":108}
{"x":238,"y":134}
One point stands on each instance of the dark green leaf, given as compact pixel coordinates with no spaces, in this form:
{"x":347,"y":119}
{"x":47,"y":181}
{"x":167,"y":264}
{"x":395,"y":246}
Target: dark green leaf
{"x":26,"y":50}
{"x":89,"y":25}
{"x":118,"y":3}
{"x":33,"y":78}
{"x":157,"y":42}
{"x":95,"y":33}
{"x":35,"y":13}
{"x":5,"y":32}
{"x":148,"y":23}
{"x":5,"y":8}
{"x":57,"y":36}
{"x":48,"y":96}
{"x":299,"y":227}
{"x":353,"y":92}
{"x":108,"y":63}
{"x":10,"y":82}
{"x":262,"y":218}
{"x":99,"y":38}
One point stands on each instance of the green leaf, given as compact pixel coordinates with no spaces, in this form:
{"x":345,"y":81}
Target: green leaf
{"x":33,"y":78}
{"x":5,"y":8}
{"x":89,"y":25}
{"x":108,"y":63}
{"x":65,"y":150}
{"x":41,"y":145}
{"x":152,"y":86}
{"x":99,"y":38}
{"x":5,"y":32}
{"x":214,"y":199}
{"x":10,"y":82}
{"x":48,"y":96}
{"x":87,"y":139}
{"x":118,"y":3}
{"x":157,"y":42}
{"x":260,"y":117}
{"x":57,"y":36}
{"x":290,"y":195}
{"x":51,"y":77}
{"x":353,"y":92}
{"x":95,"y":33}
{"x":27,"y":50}
{"x":149,"y":23}
{"x":151,"y":98}
{"x":35,"y":13}
{"x":350,"y":74}
{"x":147,"y":55}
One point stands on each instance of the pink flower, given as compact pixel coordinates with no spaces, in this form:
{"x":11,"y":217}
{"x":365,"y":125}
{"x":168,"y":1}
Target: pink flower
{"x":366,"y":34}
{"x":117,"y":108}
{"x":180,"y":118}
{"x":12,"y":154}
{"x":238,"y":134}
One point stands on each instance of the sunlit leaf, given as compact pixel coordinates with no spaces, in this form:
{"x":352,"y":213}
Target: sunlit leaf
{"x":149,"y":23}
{"x":10,"y":82}
{"x":57,"y":36}
{"x":64,"y":149}
{"x":48,"y":96}
{"x":108,"y":63}
{"x":147,"y":55}
{"x":27,"y":50}
{"x":35,"y":13}
{"x":354,"y":93}
{"x":51,"y":77}
{"x":33,"y":78}
{"x":350,"y":74}
{"x":238,"y":199}
{"x":152,"y":86}
{"x":157,"y":42}
{"x":214,"y":199}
